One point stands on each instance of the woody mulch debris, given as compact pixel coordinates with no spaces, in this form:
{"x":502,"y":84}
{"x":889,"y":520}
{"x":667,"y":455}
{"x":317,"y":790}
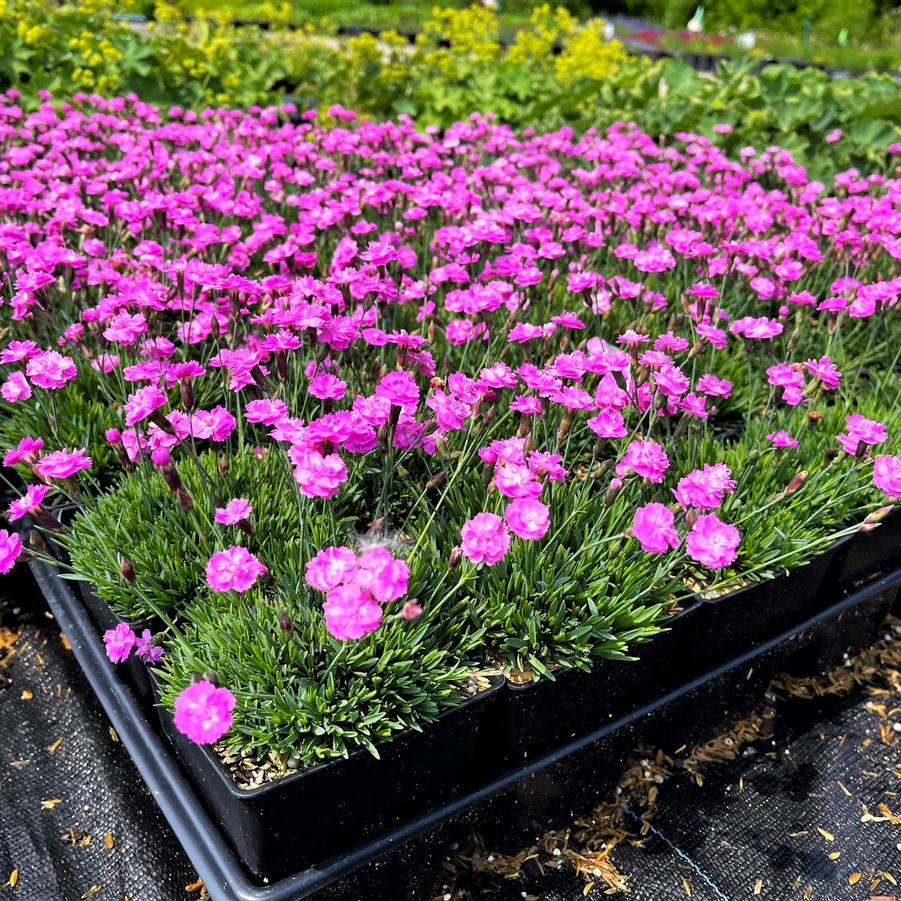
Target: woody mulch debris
{"x":589,"y":845}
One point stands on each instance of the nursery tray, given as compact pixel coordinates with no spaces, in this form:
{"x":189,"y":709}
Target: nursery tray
{"x":528,"y":797}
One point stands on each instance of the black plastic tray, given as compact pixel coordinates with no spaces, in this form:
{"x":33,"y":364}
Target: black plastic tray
{"x":533,"y":795}
{"x":316,"y":813}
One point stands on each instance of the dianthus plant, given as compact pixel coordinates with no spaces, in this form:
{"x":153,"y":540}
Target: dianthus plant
{"x":364,"y":409}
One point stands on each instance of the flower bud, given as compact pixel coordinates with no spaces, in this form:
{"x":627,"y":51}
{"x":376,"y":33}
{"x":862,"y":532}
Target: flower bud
{"x":376,"y":526}
{"x":613,"y":489}
{"x":187,"y":393}
{"x":223,"y":464}
{"x":691,"y":517}
{"x":411,"y":610}
{"x":813,"y":417}
{"x":209,"y":676}
{"x":456,"y":556}
{"x":113,"y":436}
{"x":160,"y":456}
{"x":874,"y":519}
{"x":797,"y":481}
{"x":285,"y":621}
{"x":436,"y":480}
{"x":127,"y":570}
{"x":185,"y":499}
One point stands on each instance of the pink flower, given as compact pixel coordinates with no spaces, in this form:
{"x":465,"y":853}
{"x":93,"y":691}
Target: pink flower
{"x":761,"y":328}
{"x":62,"y":463}
{"x":781,"y":439}
{"x":234,"y":511}
{"x":711,"y":542}
{"x":10,"y":550}
{"x":27,"y":451}
{"x":834,"y":136}
{"x":15,"y":388}
{"x":399,"y":388}
{"x":381,"y":575}
{"x":869,"y":431}
{"x":646,"y":458}
{"x":318,"y":475}
{"x":350,"y":612}
{"x":326,"y":386}
{"x":203,"y":712}
{"x":142,"y":403}
{"x":119,"y":642}
{"x":485,"y":539}
{"x":887,"y":474}
{"x":51,"y":370}
{"x":705,"y":488}
{"x":713,"y":386}
{"x":146,"y":650}
{"x":235,"y":569}
{"x":266,"y":411}
{"x":32,"y":499}
{"x":655,"y":529}
{"x":528,"y":519}
{"x":826,"y":371}
{"x":608,"y":424}
{"x":331,"y":567}
{"x":514,"y":480}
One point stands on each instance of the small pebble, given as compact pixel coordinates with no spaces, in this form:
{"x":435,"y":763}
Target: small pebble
{"x":556,"y":852}
{"x":896,"y":727}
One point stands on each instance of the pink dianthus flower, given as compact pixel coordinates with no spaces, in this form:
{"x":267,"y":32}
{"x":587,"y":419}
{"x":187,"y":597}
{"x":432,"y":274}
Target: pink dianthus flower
{"x":203,"y":712}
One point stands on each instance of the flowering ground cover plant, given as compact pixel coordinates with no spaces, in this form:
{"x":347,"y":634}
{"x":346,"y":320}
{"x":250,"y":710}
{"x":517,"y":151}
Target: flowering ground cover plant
{"x":354,"y":411}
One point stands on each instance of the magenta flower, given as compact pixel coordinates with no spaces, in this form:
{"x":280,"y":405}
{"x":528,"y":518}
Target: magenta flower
{"x":235,"y":569}
{"x":485,"y":539}
{"x":826,"y":371}
{"x":781,"y":439}
{"x":705,"y":488}
{"x":10,"y":550}
{"x":350,"y":612}
{"x":331,"y":567}
{"x":712,"y":543}
{"x":646,"y":458}
{"x":28,"y":503}
{"x":235,"y":511}
{"x":608,"y":423}
{"x":399,"y":388}
{"x":27,"y":451}
{"x":15,"y":388}
{"x":760,"y":328}
{"x":119,"y":642}
{"x":203,"y":712}
{"x":142,"y":403}
{"x":318,"y":475}
{"x":267,"y":411}
{"x":515,"y":480}
{"x":861,"y":429}
{"x":326,"y":386}
{"x":62,"y":464}
{"x":51,"y":370}
{"x":528,"y":519}
{"x":714,"y":386}
{"x":654,"y":527}
{"x":887,"y":475}
{"x":146,"y":650}
{"x":384,"y":577}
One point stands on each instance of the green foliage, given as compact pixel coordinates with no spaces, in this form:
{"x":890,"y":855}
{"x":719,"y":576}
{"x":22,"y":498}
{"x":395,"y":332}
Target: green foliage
{"x":592,"y":83}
